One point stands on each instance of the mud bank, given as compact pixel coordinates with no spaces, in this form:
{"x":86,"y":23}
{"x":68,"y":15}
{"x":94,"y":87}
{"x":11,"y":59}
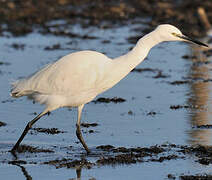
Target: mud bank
{"x":20,"y":17}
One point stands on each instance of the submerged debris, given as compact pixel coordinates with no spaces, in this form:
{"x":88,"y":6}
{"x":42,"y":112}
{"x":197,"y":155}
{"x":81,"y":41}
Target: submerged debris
{"x":174,"y":107}
{"x":151,"y":113}
{"x":53,"y":47}
{"x":144,"y":70}
{"x":118,"y":159}
{"x":18,"y":46}
{"x":203,"y":153}
{"x":69,"y":163}
{"x":126,"y":155}
{"x":87,"y":125}
{"x":130,"y":112}
{"x":123,"y":155}
{"x":105,"y":147}
{"x":4,"y":63}
{"x":108,"y":100}
{"x":110,"y":155}
{"x":206,"y":126}
{"x":157,"y":76}
{"x":160,"y":75}
{"x":31,"y":149}
{"x":91,"y":131}
{"x":189,"y":57}
{"x":187,"y":106}
{"x":171,"y":176}
{"x":180,"y":82}
{"x":196,"y":177}
{"x":8,"y":100}
{"x":163,"y":158}
{"x":152,"y":149}
{"x":48,"y":130}
{"x":17,"y":162}
{"x":2,"y":123}
{"x":191,"y":80}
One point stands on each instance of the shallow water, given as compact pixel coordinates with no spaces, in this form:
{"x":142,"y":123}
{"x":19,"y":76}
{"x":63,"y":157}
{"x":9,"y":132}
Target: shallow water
{"x":150,"y":122}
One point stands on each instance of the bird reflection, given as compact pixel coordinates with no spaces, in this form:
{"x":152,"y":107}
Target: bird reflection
{"x":29,"y":177}
{"x":24,"y":171}
{"x":199,"y":100}
{"x":78,"y":172}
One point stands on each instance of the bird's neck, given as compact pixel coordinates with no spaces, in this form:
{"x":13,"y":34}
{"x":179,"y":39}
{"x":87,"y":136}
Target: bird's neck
{"x":129,"y":61}
{"x":122,"y":65}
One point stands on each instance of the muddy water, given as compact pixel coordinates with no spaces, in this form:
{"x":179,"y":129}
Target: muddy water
{"x":166,"y":99}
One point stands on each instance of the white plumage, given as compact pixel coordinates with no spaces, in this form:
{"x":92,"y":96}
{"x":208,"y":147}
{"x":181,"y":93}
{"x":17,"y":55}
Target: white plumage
{"x":69,"y":82}
{"x":79,"y":77}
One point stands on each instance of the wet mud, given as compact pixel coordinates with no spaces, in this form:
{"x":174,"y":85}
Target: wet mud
{"x":205,"y":126}
{"x":8,"y":101}
{"x":2,"y":123}
{"x":151,"y":113}
{"x":108,"y":155}
{"x":22,"y":16}
{"x":53,"y":47}
{"x":70,"y":163}
{"x":203,"y":153}
{"x":18,"y":46}
{"x":109,"y":100}
{"x":48,"y":130}
{"x":31,"y":149}
{"x":180,"y":82}
{"x":104,"y":155}
{"x":191,"y":80}
{"x":87,"y":125}
{"x":140,"y":70}
{"x":175,"y":107}
{"x":158,"y":73}
{"x":17,"y":162}
{"x":196,"y":177}
{"x":171,"y":176}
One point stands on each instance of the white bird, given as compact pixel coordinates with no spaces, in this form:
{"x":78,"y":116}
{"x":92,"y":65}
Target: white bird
{"x":79,"y":77}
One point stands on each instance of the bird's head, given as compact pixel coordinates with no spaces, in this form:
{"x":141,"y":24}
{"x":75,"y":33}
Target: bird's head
{"x":169,"y":32}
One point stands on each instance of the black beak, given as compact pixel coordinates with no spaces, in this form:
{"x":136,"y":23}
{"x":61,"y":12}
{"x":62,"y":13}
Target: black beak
{"x":192,"y":40}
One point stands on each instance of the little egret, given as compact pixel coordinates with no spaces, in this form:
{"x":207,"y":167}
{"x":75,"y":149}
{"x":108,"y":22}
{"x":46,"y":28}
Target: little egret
{"x":79,"y":77}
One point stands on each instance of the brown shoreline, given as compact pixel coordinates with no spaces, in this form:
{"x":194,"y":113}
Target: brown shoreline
{"x":20,"y":17}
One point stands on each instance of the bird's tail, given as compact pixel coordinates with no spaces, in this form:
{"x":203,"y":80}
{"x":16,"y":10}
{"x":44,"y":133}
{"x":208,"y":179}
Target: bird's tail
{"x":17,"y":89}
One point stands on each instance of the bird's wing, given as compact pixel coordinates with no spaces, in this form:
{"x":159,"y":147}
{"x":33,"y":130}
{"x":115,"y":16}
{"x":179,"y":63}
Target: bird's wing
{"x":71,"y":75}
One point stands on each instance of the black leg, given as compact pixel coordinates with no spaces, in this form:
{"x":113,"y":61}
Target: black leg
{"x":78,"y":131}
{"x":27,"y":128}
{"x":79,"y":136}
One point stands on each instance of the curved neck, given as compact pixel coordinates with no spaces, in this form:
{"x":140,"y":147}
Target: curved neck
{"x":122,"y":65}
{"x":139,"y":52}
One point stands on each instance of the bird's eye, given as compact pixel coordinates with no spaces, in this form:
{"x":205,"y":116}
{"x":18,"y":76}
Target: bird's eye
{"x":175,"y":34}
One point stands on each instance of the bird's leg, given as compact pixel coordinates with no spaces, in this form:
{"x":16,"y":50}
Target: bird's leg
{"x":78,"y":171}
{"x":78,"y":131}
{"x":27,"y":128}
